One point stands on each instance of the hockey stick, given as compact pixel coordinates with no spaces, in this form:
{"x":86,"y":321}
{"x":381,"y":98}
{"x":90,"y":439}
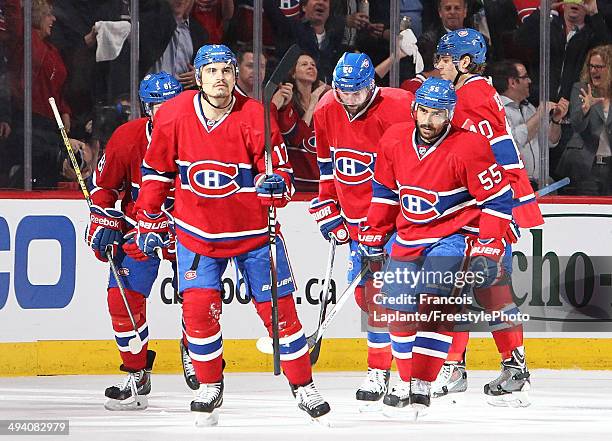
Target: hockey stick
{"x":264,"y":344}
{"x":553,"y":187}
{"x":134,"y":344}
{"x":281,"y":71}
{"x":325,"y":297}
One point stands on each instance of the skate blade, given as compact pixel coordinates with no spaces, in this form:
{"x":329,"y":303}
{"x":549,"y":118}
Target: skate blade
{"x":205,"y":419}
{"x":371,"y":406}
{"x":419,"y":410}
{"x":514,"y":399}
{"x":322,"y":421}
{"x":407,"y":413}
{"x":129,"y":404}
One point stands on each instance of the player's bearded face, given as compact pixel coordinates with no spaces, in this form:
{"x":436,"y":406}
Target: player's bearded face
{"x":444,"y":63}
{"x":217,"y":80}
{"x":430,"y":122}
{"x":353,"y":101}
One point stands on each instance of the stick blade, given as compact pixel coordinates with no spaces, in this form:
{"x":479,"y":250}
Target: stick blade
{"x":280,"y":73}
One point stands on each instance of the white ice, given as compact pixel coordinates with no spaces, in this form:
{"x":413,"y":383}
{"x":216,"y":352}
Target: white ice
{"x":574,"y":405}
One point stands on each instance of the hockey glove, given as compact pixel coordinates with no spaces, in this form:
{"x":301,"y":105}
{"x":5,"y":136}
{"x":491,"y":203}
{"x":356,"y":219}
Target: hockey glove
{"x":329,"y":220}
{"x":105,"y":231}
{"x":131,"y":249}
{"x":512,"y":234}
{"x":486,"y":261}
{"x":153,"y":233}
{"x":271,"y":190}
{"x":371,"y":243}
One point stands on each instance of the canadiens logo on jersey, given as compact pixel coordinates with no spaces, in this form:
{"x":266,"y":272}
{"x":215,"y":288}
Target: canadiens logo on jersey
{"x":418,"y":205}
{"x":289,"y":8}
{"x":101,"y":163}
{"x":352,"y":167}
{"x":310,"y":144}
{"x":213,"y":179}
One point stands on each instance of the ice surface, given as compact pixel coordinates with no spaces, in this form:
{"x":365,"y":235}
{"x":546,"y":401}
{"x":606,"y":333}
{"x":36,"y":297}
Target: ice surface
{"x":574,"y":405}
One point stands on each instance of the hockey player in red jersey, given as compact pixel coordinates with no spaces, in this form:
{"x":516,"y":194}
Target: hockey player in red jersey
{"x":436,"y":185}
{"x":460,"y":58}
{"x":119,"y":171}
{"x":349,"y":120}
{"x":209,"y":145}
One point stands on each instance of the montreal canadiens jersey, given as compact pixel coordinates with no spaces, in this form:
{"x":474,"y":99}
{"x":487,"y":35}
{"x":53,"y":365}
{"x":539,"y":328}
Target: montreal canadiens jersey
{"x":212,"y":165}
{"x":428,"y":193}
{"x":479,"y":109}
{"x":119,"y":168}
{"x":300,"y":139}
{"x":347,"y":148}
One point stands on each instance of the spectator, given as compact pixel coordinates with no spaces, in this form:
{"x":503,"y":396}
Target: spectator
{"x":5,"y":99}
{"x":240,"y":31}
{"x":571,"y":36}
{"x":182,"y":38}
{"x":353,"y":20}
{"x":414,"y":10}
{"x":48,"y":78}
{"x":511,"y":81}
{"x":75,"y":37}
{"x":5,"y":105}
{"x":48,"y":69}
{"x":587,"y":159}
{"x":525,"y":8}
{"x":315,"y":32}
{"x":246,"y":71}
{"x":374,"y":41}
{"x":453,"y":14}
{"x":213,"y":15}
{"x":497,"y":21}
{"x":296,"y":101}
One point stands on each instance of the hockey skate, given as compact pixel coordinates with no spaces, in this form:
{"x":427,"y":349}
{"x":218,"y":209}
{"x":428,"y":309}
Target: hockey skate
{"x":373,"y":388}
{"x":309,"y":400}
{"x":451,"y":379}
{"x":209,"y":397}
{"x":420,"y":396}
{"x":511,"y":388}
{"x":131,"y":393}
{"x":399,"y":395}
{"x":408,"y":400}
{"x":188,"y":370}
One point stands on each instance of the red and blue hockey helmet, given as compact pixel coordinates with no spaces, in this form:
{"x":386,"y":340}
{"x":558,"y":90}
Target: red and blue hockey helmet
{"x":213,"y":53}
{"x":437,"y":93}
{"x":157,"y":88}
{"x":463,"y":42}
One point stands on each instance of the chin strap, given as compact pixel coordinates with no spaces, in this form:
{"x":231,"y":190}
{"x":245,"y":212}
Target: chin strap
{"x":459,"y":73}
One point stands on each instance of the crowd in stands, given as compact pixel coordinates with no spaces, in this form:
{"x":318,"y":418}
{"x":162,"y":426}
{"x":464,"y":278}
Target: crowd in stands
{"x":81,"y":57}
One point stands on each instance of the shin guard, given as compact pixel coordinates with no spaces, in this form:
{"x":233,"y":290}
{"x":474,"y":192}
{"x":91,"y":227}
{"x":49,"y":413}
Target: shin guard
{"x":123,"y":328}
{"x":295,"y":360}
{"x":201,"y":314}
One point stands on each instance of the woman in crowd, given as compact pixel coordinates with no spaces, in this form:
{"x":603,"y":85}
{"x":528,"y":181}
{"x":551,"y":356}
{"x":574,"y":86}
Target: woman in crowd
{"x":296,"y":101}
{"x":48,"y":78}
{"x":587,"y":159}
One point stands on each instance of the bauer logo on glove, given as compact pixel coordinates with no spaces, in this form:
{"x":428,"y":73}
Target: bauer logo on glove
{"x":330,"y":221}
{"x":153,"y":232}
{"x":485,"y":259}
